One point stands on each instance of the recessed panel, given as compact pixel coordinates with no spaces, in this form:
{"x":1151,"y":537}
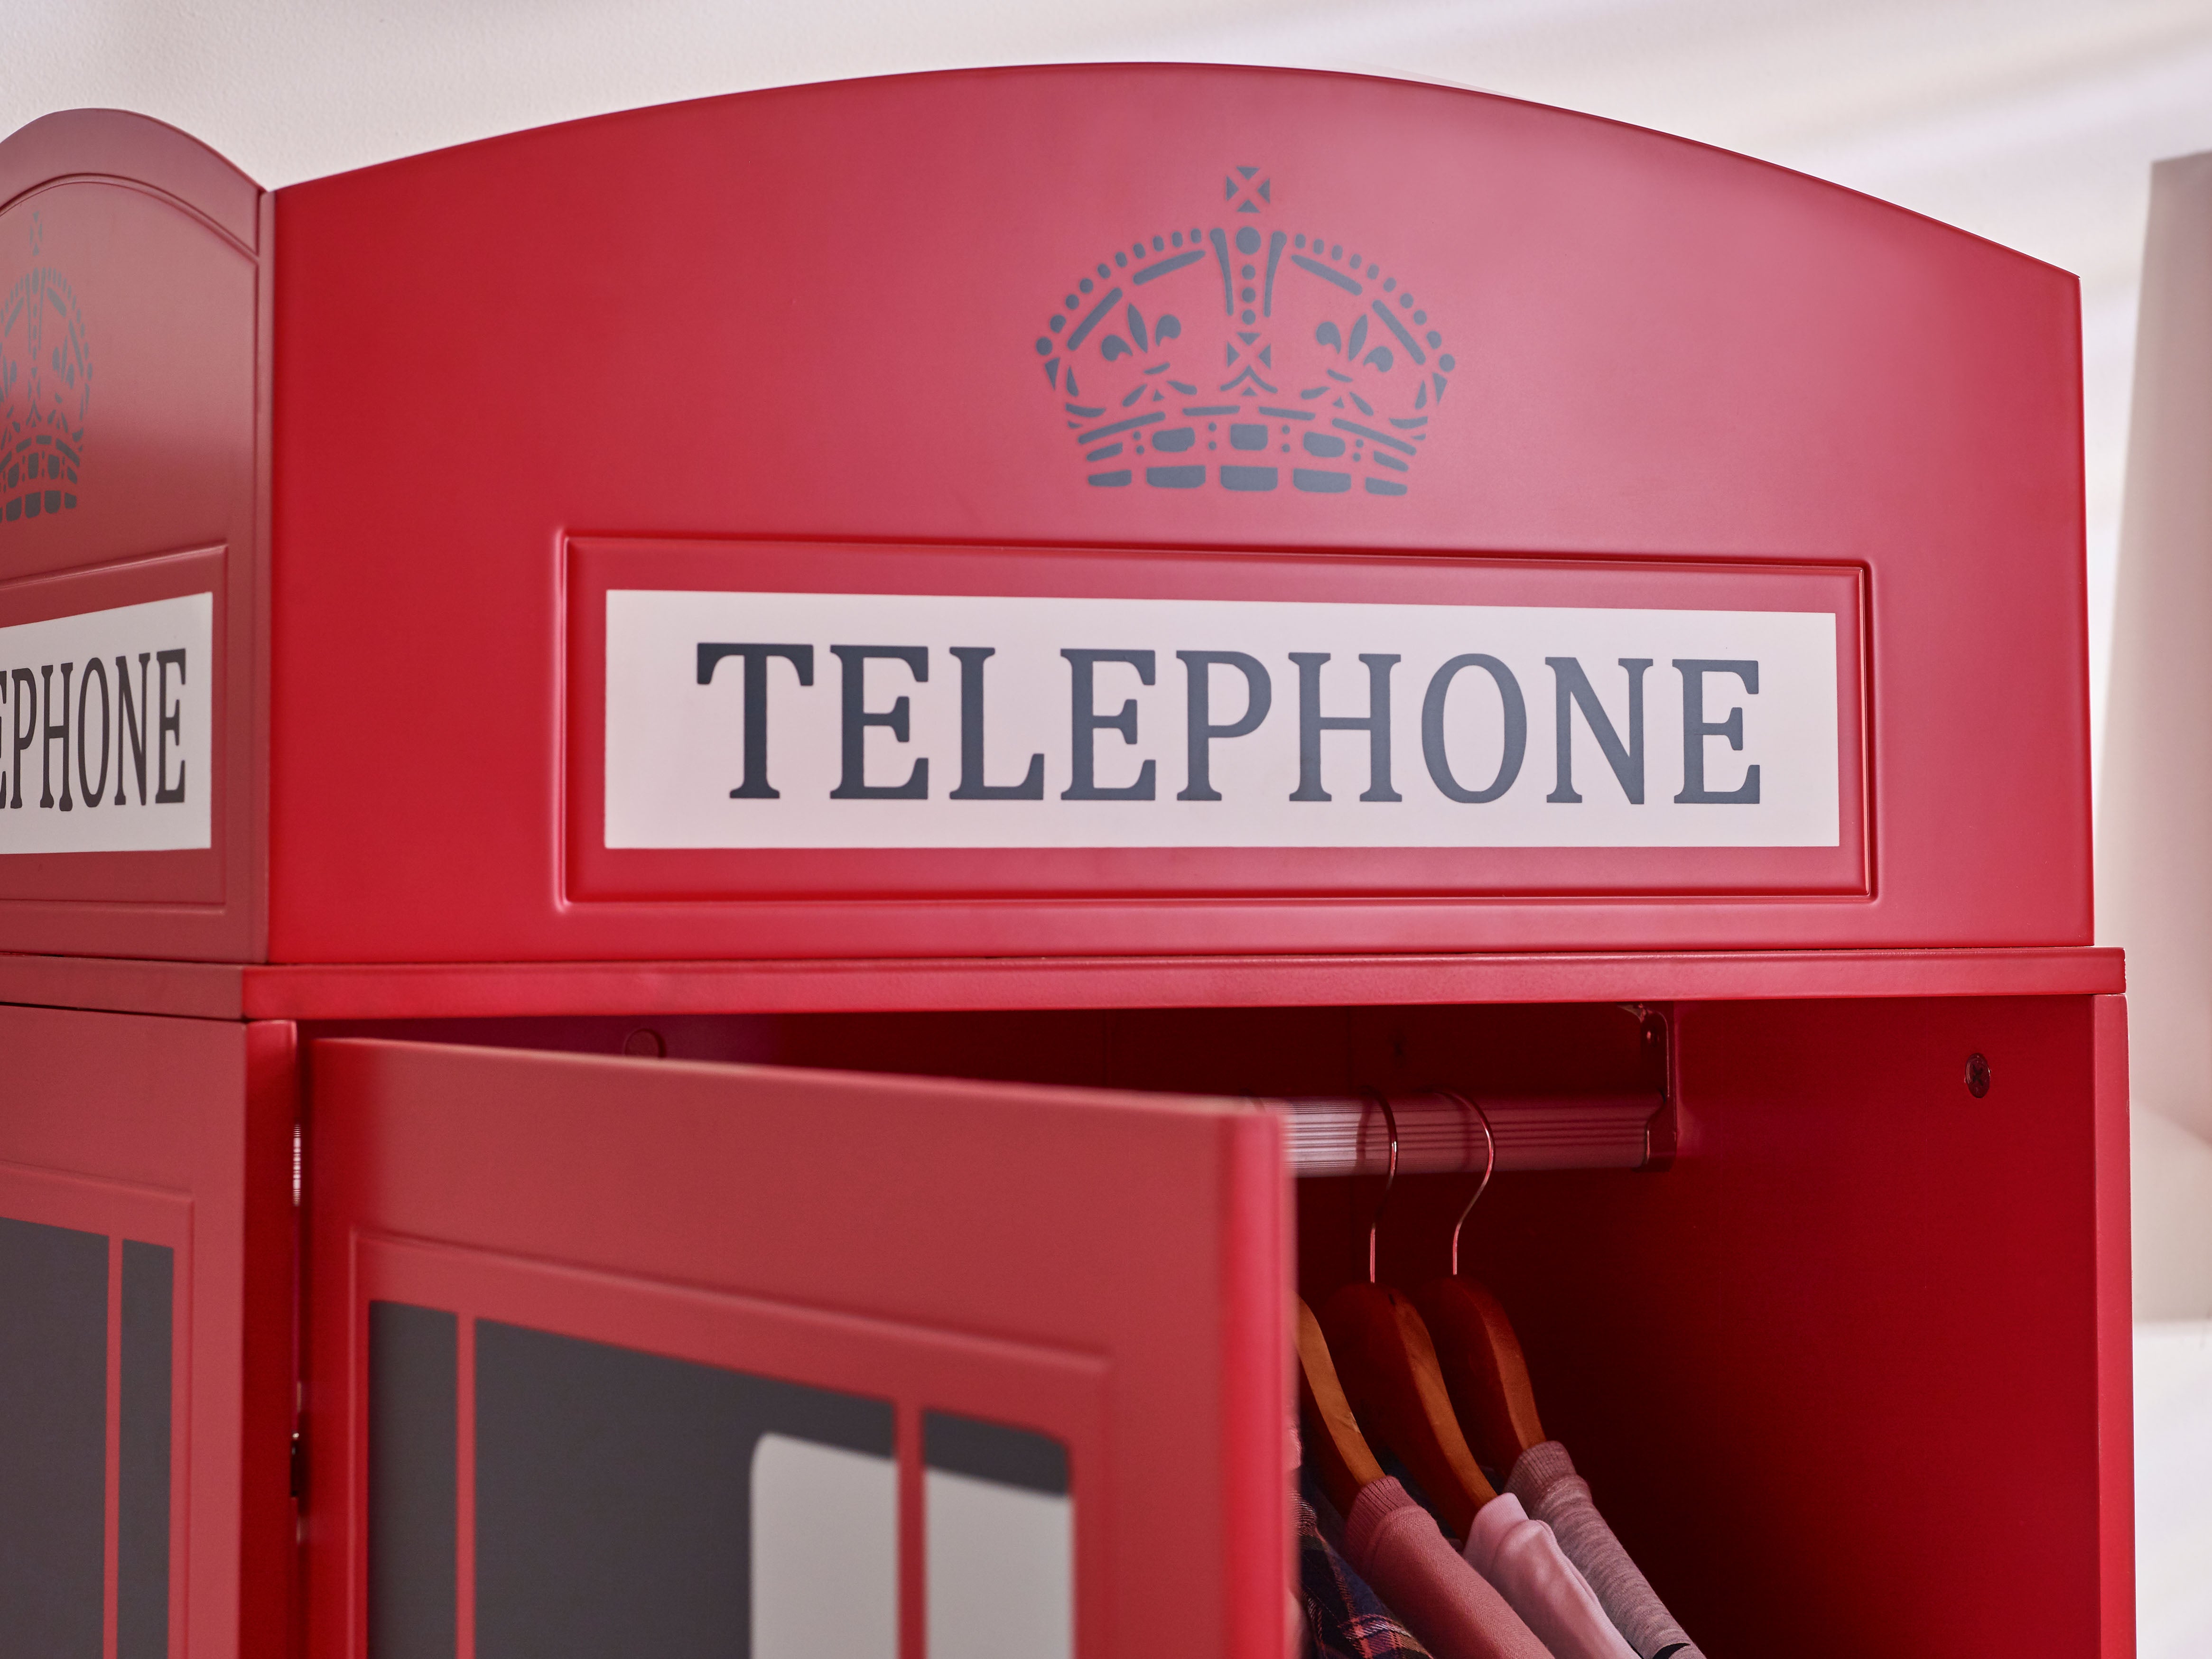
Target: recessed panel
{"x":413,"y":1439}
{"x":1000,"y":1539}
{"x":824,"y":1550}
{"x":53,"y":1440}
{"x":749,"y":719}
{"x":615,"y":1499}
{"x":142,"y":1453}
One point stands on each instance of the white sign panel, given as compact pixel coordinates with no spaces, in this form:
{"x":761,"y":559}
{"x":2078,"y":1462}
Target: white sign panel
{"x":905,"y":721}
{"x":105,"y":729}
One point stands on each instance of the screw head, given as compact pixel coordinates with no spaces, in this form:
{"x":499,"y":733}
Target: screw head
{"x":645,"y":1044}
{"x":1977,"y":1076}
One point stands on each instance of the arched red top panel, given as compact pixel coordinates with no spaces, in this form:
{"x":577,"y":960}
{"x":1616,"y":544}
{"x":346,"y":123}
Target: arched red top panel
{"x":114,"y":144}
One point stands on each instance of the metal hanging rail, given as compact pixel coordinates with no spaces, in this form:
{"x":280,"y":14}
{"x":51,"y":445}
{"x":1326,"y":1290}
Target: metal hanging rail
{"x":1437,"y":1134}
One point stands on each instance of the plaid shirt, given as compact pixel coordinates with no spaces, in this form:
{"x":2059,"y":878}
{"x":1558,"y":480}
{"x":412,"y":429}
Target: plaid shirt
{"x":1345,"y":1619}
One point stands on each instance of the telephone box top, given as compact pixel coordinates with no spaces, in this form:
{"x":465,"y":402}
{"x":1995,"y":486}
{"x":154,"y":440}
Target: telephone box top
{"x":1080,"y":512}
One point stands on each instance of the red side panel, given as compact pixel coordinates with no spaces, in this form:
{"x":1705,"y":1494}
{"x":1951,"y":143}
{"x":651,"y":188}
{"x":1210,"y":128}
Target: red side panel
{"x":171,"y":1140}
{"x":506,"y":1235}
{"x":849,"y":312}
{"x":2116,"y":1397}
{"x":130,"y":303}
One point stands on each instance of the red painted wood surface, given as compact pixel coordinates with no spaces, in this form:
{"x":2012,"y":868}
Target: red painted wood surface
{"x":432,"y":991}
{"x":180,"y":1132}
{"x":642,"y":326}
{"x":122,"y":146}
{"x":161,"y":245}
{"x":913,"y":1240}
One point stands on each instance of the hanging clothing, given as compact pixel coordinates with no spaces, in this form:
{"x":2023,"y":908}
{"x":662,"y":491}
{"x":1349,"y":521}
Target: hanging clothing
{"x":1345,"y":1618}
{"x":1395,"y":1545}
{"x":1524,"y":1561}
{"x":1545,"y":1481}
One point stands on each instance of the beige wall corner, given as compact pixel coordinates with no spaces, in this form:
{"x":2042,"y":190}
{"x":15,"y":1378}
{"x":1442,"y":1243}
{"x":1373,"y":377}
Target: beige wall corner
{"x":2171,"y":1171}
{"x":2154,"y":826}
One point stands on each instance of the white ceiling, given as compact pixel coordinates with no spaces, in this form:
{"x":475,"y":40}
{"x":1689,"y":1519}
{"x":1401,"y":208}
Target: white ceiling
{"x":2032,"y":122}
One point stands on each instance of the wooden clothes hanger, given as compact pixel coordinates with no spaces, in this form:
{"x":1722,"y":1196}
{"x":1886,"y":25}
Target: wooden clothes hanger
{"x":1334,"y":1444}
{"x":1395,"y":1385}
{"x":1484,"y":1372}
{"x":1484,"y":1369}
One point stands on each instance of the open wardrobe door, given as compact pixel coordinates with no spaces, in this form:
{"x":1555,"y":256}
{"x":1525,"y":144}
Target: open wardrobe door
{"x":612,"y":1355}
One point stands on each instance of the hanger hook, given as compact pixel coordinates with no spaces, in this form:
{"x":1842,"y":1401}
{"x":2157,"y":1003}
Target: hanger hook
{"x":1390,"y":1178}
{"x":1489,"y":1167}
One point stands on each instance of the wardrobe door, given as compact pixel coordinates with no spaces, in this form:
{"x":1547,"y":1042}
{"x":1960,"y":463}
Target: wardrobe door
{"x":631,"y":1355}
{"x":146,"y":1402}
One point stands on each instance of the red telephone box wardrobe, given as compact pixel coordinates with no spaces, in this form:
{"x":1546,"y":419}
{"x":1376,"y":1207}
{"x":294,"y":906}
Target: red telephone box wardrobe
{"x":815,"y":761}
